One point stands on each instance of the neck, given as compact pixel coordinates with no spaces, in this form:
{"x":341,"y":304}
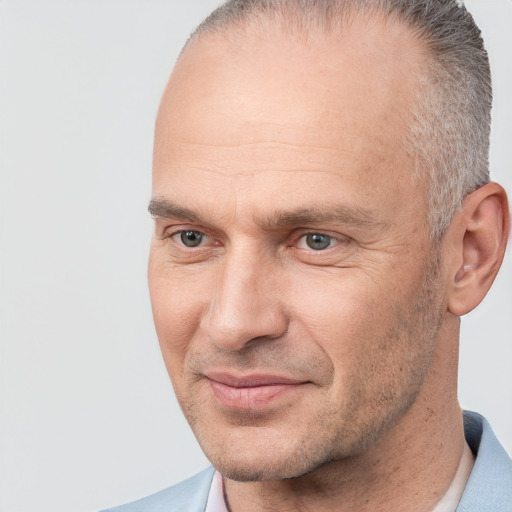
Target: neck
{"x":410,"y":467}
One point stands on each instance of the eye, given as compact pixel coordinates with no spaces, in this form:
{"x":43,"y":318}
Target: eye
{"x":315,"y":242}
{"x":190,"y":238}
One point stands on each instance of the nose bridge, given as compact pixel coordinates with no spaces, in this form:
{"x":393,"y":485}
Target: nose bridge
{"x":246,"y":303}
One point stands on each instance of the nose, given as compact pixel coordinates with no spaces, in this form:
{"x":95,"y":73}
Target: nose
{"x":247,"y":304}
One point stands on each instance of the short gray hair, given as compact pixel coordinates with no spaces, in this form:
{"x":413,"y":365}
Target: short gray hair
{"x":449,"y":133}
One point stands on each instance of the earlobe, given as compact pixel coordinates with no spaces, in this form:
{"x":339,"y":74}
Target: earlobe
{"x":479,"y":238}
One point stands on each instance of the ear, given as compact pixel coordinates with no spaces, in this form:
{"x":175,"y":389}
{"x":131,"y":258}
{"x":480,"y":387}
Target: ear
{"x":477,"y":240}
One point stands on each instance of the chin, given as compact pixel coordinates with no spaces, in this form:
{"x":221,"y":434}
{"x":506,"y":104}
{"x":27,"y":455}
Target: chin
{"x":262,"y":470}
{"x":258,"y":460}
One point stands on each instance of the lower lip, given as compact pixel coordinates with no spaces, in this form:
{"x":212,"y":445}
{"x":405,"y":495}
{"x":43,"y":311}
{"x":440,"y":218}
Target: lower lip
{"x":250,"y":398}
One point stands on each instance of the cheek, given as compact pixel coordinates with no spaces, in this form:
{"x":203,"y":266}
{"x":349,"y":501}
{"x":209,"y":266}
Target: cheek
{"x":359,"y":324}
{"x":177,"y":308}
{"x":338,"y":312}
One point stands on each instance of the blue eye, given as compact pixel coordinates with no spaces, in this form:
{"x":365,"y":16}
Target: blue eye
{"x":191,"y":238}
{"x":317,"y":242}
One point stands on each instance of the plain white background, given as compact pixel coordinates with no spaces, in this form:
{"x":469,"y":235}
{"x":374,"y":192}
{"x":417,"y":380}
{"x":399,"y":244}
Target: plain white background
{"x":87,"y":415}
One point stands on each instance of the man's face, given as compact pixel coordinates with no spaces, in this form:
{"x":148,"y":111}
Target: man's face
{"x":290,"y":269}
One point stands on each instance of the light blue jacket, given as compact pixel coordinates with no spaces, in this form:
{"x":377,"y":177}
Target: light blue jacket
{"x":489,"y":488}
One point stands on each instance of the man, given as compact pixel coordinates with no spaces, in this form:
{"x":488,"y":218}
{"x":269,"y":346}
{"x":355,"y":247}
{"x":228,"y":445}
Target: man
{"x":323,"y":218}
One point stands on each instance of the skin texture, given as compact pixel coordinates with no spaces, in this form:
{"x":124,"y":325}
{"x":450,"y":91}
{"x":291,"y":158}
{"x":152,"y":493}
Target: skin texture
{"x":259,"y":145}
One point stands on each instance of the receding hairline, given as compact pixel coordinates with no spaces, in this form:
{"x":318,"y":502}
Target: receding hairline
{"x":286,"y":22}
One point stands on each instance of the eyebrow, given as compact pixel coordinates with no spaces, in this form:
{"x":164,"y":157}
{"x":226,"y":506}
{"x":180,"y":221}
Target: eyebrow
{"x":349,"y":215}
{"x":166,"y":209}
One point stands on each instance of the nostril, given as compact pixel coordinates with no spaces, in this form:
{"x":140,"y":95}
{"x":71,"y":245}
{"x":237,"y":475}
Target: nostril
{"x":234,"y":333}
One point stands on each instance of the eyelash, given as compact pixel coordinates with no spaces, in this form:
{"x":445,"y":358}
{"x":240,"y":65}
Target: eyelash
{"x":179,"y":232}
{"x":334,"y":241}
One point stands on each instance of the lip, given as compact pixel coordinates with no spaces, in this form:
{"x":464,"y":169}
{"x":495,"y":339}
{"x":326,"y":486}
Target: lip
{"x":250,"y":392}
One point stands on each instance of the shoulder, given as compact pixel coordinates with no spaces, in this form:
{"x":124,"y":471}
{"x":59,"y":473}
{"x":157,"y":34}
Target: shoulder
{"x":187,"y":496}
{"x":489,"y":487}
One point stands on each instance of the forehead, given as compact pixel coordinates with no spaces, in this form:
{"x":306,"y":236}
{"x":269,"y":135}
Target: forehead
{"x":371,"y":66}
{"x":337,"y":105}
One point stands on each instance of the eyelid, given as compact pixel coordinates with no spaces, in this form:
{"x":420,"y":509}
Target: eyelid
{"x":336,"y":239}
{"x":183,"y":230}
{"x":209,"y":241}
{"x":175,"y":232}
{"x":169,"y":230}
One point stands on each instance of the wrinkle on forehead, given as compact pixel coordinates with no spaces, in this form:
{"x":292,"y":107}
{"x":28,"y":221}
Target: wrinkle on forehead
{"x":249,"y":159}
{"x":248,"y":173}
{"x":268,"y":144}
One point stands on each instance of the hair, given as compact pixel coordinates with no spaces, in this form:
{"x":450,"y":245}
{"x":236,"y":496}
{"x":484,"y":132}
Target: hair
{"x":449,"y":132}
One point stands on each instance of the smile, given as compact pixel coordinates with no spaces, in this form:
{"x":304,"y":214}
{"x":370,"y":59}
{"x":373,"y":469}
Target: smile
{"x":251,"y":392}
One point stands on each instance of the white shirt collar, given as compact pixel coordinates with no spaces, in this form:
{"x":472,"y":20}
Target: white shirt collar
{"x":450,"y":501}
{"x":216,"y":502}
